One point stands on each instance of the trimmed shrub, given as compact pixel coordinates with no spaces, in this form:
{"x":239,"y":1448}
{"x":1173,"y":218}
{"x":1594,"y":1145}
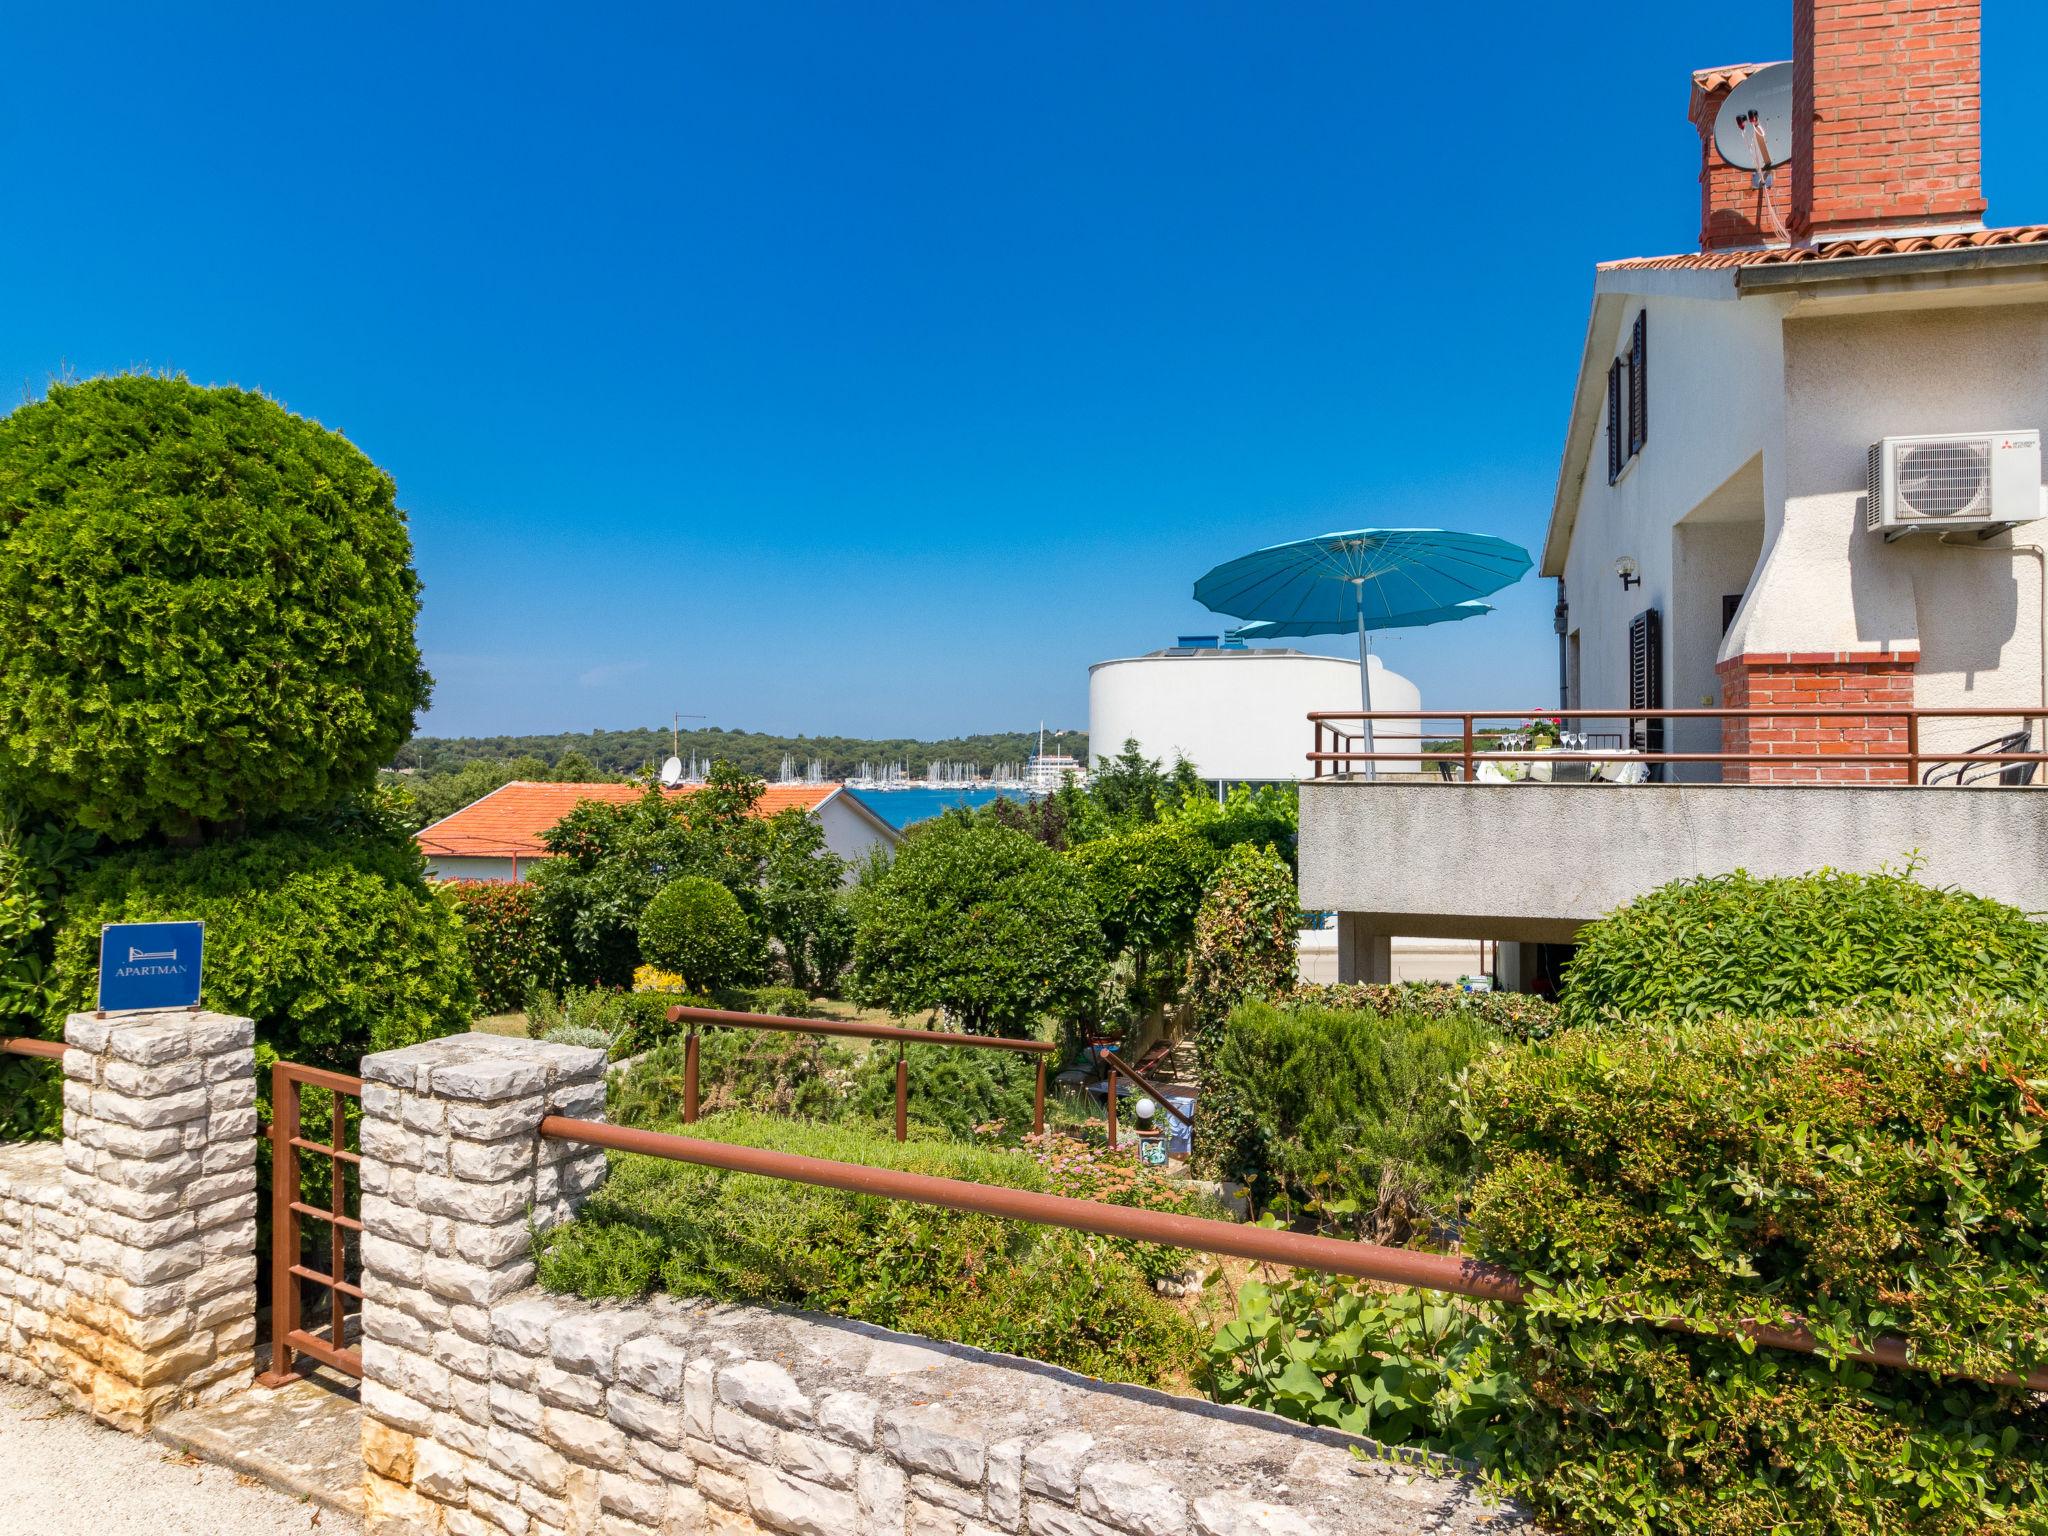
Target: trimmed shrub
{"x":1514,"y":1015}
{"x":511,"y":954}
{"x":982,"y":921}
{"x":695,"y":927}
{"x":333,"y":943}
{"x":1244,"y":947}
{"x":1738,"y":944}
{"x":206,"y":609}
{"x":1052,"y":1295}
{"x":1866,"y":1174}
{"x":1348,"y":1115}
{"x":1147,"y":884}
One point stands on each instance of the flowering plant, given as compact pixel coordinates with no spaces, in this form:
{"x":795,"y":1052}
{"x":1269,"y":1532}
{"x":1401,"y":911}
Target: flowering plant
{"x":1543,"y":731}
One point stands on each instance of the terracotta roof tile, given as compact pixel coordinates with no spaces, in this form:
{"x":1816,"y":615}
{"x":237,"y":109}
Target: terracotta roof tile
{"x":1833,"y":250}
{"x":1710,"y":80}
{"x":508,"y":822}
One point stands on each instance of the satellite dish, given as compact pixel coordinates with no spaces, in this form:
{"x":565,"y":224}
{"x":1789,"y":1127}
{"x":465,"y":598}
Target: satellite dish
{"x":1759,"y":108}
{"x":672,"y":773}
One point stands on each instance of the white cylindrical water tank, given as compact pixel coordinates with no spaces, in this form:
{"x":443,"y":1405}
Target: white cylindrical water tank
{"x":1237,"y":714}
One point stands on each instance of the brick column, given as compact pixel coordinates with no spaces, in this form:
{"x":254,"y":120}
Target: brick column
{"x":159,"y":1310}
{"x":455,"y":1178}
{"x":1817,"y":680}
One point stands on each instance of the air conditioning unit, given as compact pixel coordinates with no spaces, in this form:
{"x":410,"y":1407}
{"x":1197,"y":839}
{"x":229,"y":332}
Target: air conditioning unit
{"x":1954,"y":480}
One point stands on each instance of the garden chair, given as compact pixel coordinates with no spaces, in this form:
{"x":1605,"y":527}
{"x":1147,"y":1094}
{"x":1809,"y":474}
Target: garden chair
{"x":1961,"y":775}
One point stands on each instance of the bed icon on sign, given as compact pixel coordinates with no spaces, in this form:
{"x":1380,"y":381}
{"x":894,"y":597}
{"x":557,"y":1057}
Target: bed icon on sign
{"x":146,"y":967}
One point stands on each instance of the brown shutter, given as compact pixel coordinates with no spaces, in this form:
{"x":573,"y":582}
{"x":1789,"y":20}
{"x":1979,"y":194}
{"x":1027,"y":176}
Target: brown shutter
{"x":1646,"y":682}
{"x":1614,"y":421}
{"x":1639,"y":385}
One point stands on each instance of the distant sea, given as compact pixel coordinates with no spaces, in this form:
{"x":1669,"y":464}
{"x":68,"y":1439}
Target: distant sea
{"x":904,"y":807}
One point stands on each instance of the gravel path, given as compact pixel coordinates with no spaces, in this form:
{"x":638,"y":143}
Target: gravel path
{"x":63,"y":1475}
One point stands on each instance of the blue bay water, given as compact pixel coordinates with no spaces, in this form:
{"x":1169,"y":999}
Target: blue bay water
{"x":906,"y":807}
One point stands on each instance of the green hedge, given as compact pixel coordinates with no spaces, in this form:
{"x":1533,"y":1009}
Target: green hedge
{"x":1869,"y":1174}
{"x":1347,"y":1114}
{"x":511,"y":954}
{"x":1758,"y":947}
{"x":333,"y":943}
{"x":1515,"y":1015}
{"x":1052,"y":1295}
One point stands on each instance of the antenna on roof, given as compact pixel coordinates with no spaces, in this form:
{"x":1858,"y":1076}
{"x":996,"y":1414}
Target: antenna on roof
{"x":672,"y":773}
{"x":1753,"y":132}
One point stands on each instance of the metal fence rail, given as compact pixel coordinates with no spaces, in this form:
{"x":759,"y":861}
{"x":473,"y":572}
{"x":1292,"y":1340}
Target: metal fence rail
{"x":1337,"y":1256}
{"x":904,"y":1038}
{"x":15,"y":1045}
{"x":1329,"y":753}
{"x":288,"y":1333}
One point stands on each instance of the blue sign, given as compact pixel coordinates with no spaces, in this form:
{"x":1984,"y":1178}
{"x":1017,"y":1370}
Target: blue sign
{"x":150,"y":965}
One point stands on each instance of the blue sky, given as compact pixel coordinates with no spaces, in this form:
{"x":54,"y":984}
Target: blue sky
{"x":872,"y":369}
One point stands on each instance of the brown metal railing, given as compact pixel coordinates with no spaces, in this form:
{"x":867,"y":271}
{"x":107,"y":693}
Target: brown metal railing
{"x":1299,"y":1250}
{"x":1329,"y":753}
{"x":14,"y":1045}
{"x":1117,"y":1065}
{"x":288,"y":1334}
{"x":904,"y":1038}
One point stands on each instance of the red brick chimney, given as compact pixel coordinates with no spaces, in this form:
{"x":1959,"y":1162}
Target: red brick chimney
{"x":1731,"y":205}
{"x":1885,"y":124}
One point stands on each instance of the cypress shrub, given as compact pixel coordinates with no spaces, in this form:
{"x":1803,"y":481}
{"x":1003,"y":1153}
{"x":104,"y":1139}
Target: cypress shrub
{"x":1349,"y":1114}
{"x":206,"y":609}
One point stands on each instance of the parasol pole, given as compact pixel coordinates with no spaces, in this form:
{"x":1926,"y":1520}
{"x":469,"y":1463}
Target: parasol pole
{"x":1364,"y":672}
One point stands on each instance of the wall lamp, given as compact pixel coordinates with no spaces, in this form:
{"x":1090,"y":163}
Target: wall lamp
{"x":1629,"y":572}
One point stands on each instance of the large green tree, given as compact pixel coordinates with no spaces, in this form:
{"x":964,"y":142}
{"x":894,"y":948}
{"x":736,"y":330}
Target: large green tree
{"x":206,"y":609}
{"x":981,"y":920}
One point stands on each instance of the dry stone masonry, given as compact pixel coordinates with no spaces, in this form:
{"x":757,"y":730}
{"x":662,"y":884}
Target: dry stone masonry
{"x":128,"y":1252}
{"x":493,"y":1409}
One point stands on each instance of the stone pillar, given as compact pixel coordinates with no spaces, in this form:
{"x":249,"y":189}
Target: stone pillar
{"x":160,"y":1175}
{"x":455,"y":1179}
{"x":1363,"y":953}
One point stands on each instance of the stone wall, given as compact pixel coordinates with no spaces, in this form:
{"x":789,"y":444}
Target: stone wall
{"x":492,"y":1409}
{"x":128,"y":1252}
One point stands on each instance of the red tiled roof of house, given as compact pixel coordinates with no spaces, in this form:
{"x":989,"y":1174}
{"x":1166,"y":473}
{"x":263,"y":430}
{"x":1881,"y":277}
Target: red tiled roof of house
{"x":1833,"y":250}
{"x":1730,"y":75}
{"x":508,"y":822}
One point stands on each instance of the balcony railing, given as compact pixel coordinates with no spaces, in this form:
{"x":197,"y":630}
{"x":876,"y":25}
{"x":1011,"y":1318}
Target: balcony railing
{"x":1768,"y":744}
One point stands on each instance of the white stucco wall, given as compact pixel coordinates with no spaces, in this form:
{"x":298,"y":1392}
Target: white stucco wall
{"x":1237,"y":715}
{"x":1826,"y":583}
{"x":440,"y":868}
{"x":1715,"y":397}
{"x":850,"y":834}
{"x":1760,"y":409}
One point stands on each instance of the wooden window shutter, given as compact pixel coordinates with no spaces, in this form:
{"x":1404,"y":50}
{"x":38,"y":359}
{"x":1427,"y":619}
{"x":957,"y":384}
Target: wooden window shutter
{"x":1614,"y":421}
{"x":1639,"y":385}
{"x":1646,"y":682}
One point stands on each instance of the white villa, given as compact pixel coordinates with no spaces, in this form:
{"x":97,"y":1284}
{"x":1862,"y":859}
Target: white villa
{"x":1802,"y":469}
{"x":500,"y":837}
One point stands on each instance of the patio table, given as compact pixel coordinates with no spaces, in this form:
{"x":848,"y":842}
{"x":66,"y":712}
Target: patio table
{"x":1617,"y":769}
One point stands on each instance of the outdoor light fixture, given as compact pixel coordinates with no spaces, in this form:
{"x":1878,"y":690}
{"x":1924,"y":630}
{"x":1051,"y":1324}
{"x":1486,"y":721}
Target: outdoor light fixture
{"x":1629,"y":572}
